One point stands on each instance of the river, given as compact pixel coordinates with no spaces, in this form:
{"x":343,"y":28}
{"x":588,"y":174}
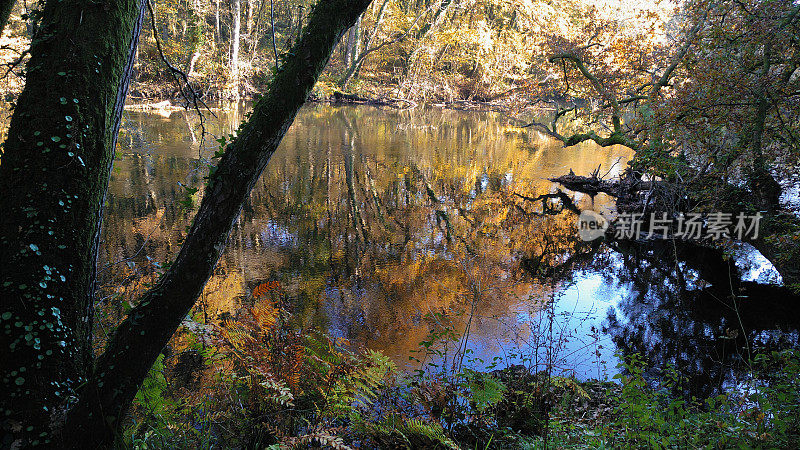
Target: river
{"x":391,"y":228}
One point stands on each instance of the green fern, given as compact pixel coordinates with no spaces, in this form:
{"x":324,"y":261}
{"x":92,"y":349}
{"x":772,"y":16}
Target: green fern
{"x":396,"y":432}
{"x":485,"y":389}
{"x":362,"y":387}
{"x":151,"y":394}
{"x":569,"y":384}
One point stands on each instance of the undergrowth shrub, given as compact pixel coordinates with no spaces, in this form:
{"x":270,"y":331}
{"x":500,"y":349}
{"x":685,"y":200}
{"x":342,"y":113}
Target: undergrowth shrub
{"x":259,"y":381}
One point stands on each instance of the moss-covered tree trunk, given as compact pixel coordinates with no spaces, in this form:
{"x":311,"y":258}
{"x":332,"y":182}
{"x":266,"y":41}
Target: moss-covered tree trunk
{"x":53,"y":178}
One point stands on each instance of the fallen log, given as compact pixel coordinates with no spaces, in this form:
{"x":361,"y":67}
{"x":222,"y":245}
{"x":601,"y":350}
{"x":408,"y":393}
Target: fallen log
{"x":587,"y":185}
{"x":631,"y":192}
{"x":778,"y":233}
{"x":593,"y":185}
{"x":165,"y":105}
{"x":343,"y":97}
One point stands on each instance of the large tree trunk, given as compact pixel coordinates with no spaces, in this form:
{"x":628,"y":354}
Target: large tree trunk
{"x":766,"y":191}
{"x":142,"y":335}
{"x":248,"y":23}
{"x":54,"y":175}
{"x":353,"y":42}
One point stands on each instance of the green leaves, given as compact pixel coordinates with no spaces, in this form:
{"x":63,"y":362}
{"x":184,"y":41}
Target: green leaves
{"x":188,"y":198}
{"x":485,"y":389}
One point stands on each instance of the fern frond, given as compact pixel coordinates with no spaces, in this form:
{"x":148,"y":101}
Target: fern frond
{"x":266,"y":315}
{"x":569,"y":384}
{"x":363,"y":385}
{"x":317,"y":437}
{"x":277,"y":391}
{"x":264,"y":288}
{"x":485,"y":389}
{"x":394,"y":431}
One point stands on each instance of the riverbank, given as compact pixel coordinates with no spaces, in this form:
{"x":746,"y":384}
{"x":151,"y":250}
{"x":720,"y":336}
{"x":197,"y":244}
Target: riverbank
{"x":514,"y":113}
{"x":346,"y":399}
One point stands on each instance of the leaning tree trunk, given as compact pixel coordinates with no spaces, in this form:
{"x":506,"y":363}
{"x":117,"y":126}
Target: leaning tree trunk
{"x":54,"y":175}
{"x":119,"y":372}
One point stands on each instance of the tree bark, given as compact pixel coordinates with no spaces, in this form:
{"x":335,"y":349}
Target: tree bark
{"x":272,"y":31}
{"x":353,"y":42}
{"x":248,"y":23}
{"x":236,"y":26}
{"x":358,"y":58}
{"x":190,"y":66}
{"x":119,"y":371}
{"x":299,"y":22}
{"x":216,"y":22}
{"x":54,"y":176}
{"x":766,"y":190}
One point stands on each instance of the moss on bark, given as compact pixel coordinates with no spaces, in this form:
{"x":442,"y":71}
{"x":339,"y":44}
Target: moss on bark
{"x":54,"y":175}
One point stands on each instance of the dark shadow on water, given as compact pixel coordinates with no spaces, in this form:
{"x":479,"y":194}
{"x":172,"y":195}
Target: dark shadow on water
{"x":688,"y":307}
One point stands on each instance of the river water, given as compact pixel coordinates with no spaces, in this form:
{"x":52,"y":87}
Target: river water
{"x":394,"y":228}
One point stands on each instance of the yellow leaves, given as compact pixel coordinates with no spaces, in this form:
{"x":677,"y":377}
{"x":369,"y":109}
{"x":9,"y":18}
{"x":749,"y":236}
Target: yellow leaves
{"x":619,"y":53}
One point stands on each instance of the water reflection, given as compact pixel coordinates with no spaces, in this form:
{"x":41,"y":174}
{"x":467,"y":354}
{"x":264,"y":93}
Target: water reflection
{"x":381,"y":225}
{"x":690,"y":309}
{"x":371,"y":219}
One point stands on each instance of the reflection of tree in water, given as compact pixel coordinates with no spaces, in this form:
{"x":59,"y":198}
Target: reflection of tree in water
{"x":387,"y":243}
{"x":369,"y":219}
{"x":691,"y":310}
{"x":688,"y":307}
